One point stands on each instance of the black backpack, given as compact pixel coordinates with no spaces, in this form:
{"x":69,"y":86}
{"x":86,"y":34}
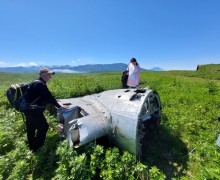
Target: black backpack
{"x":17,"y":96}
{"x":124,"y":78}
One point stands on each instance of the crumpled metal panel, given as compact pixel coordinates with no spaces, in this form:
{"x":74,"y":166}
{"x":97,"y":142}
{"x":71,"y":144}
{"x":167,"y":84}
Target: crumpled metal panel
{"x":119,"y":114}
{"x":92,"y":123}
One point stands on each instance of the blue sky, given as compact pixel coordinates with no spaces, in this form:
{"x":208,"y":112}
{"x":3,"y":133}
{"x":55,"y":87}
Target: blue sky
{"x":171,"y":34}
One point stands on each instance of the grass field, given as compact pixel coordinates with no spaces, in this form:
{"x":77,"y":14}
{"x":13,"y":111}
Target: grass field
{"x":183,"y":148}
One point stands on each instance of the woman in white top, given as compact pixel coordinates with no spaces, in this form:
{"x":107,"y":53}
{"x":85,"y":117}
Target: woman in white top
{"x":133,"y":73}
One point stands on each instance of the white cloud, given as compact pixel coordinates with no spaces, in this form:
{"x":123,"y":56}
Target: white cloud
{"x":66,"y":71}
{"x":23,"y":64}
{"x":76,"y":61}
{"x":2,"y":64}
{"x":27,"y":64}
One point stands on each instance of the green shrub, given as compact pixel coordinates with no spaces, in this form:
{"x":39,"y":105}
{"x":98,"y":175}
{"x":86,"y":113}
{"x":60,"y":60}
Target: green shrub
{"x":183,"y":148}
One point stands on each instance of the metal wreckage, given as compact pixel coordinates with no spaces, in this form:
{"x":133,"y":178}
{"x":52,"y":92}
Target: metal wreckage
{"x":121,"y":115}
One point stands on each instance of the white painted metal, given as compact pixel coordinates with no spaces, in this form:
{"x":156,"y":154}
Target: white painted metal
{"x":120,"y":114}
{"x":218,"y":141}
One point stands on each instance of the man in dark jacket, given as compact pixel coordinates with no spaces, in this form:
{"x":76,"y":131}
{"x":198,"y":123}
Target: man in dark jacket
{"x":36,"y":123}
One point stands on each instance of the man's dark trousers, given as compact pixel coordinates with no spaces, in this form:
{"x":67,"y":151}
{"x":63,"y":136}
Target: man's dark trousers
{"x":37,"y":128}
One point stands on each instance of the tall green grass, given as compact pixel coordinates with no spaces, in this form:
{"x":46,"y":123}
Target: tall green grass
{"x":184,"y":147}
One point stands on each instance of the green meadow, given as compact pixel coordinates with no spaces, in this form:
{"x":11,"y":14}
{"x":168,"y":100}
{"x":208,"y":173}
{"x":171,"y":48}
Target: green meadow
{"x":183,"y":147}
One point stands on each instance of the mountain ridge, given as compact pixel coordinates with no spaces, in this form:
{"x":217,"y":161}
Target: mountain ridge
{"x":88,"y":68}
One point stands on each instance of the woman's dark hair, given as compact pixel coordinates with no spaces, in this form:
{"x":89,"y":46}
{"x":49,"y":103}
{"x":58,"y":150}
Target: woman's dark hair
{"x":133,"y":60}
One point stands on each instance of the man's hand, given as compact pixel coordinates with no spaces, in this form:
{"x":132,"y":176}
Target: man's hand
{"x":64,"y":106}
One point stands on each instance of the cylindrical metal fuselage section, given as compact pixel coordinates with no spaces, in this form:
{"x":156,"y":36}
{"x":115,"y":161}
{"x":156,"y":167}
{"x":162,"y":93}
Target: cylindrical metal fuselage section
{"x":119,"y":114}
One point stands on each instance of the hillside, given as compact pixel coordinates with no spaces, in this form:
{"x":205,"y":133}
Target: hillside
{"x":209,"y":67}
{"x":208,"y":71}
{"x":89,"y":68}
{"x":183,"y":147}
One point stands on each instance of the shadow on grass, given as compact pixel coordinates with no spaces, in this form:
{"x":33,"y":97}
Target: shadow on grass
{"x":165,"y":151}
{"x":160,"y":148}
